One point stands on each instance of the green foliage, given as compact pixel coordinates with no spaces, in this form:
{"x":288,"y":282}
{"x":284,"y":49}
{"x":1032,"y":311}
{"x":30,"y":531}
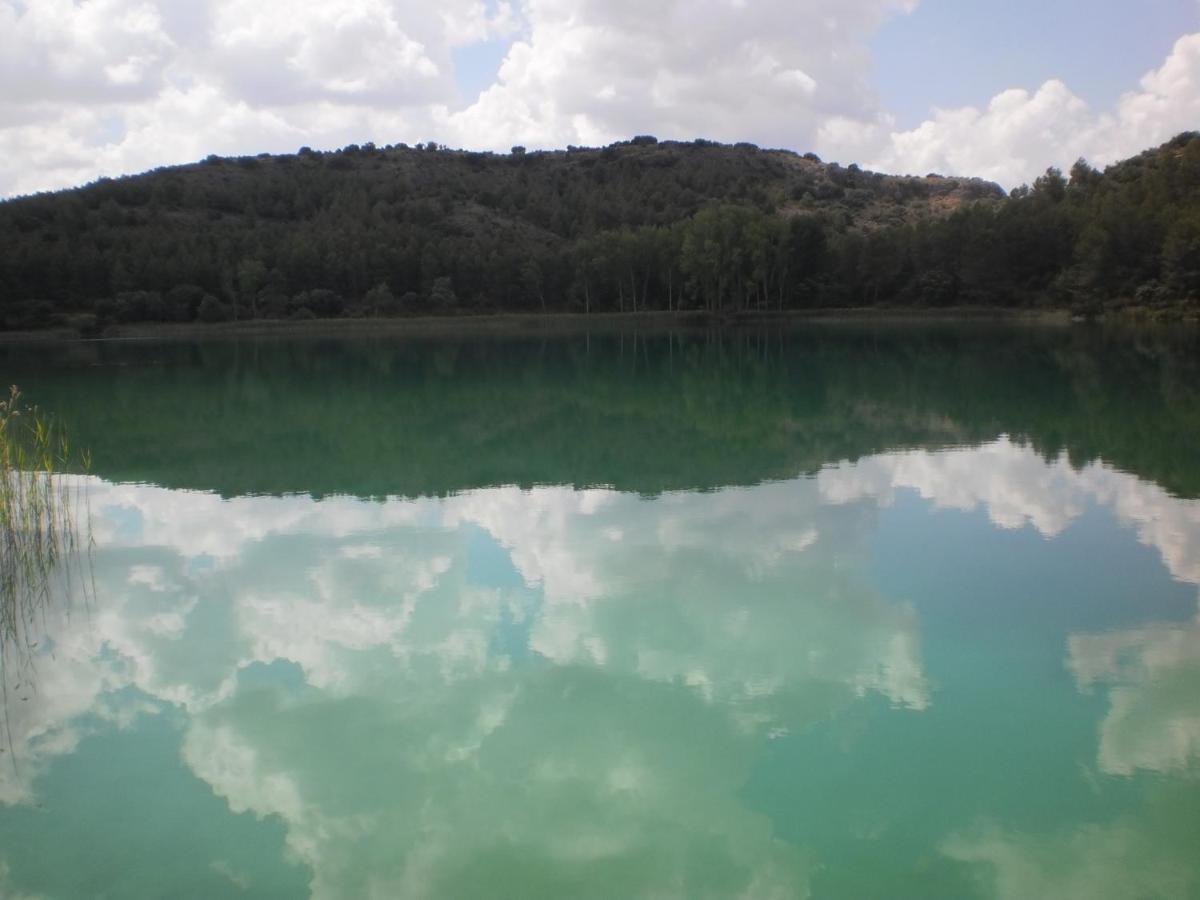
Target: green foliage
{"x":380,"y":301}
{"x":1051,"y":186}
{"x":212,"y":310}
{"x":183,"y":301}
{"x":635,"y":226}
{"x":441,"y":296}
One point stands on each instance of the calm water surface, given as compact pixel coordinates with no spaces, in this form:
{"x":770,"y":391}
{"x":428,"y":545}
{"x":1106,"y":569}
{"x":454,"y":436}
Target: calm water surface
{"x":835,"y":613}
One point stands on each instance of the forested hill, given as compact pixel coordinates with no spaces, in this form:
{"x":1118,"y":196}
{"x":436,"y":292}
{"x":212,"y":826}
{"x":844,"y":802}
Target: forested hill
{"x":637,"y":225}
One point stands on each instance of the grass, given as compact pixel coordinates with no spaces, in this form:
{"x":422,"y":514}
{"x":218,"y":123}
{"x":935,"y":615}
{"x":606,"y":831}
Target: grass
{"x":45,"y":541}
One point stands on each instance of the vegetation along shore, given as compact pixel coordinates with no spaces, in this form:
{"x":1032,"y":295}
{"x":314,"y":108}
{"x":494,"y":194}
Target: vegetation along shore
{"x":636,"y":227}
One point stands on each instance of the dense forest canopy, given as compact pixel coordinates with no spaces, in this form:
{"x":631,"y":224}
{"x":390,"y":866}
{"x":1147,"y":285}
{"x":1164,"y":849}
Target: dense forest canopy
{"x":640,"y":225}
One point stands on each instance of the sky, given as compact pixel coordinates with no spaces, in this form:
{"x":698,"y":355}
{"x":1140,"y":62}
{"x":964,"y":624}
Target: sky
{"x":93,"y":88}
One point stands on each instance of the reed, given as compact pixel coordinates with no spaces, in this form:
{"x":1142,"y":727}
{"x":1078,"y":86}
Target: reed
{"x":45,"y":537}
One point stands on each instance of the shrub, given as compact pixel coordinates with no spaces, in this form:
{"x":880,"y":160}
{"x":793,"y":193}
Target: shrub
{"x":212,"y":310}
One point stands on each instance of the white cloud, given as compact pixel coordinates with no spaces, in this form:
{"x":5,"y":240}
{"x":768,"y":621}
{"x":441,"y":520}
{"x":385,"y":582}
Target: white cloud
{"x":474,"y":22}
{"x":407,"y":818}
{"x":117,"y":86}
{"x":1152,"y":671}
{"x":652,"y":619}
{"x":1019,"y":134}
{"x":272,"y":53}
{"x":625,"y":584}
{"x":592,"y":71}
{"x":1106,"y":861}
{"x":109,"y":87}
{"x":532,"y":526}
{"x":385,"y":604}
{"x":58,"y":50}
{"x":1017,"y":487}
{"x":1153,"y":720}
{"x":398,"y":631}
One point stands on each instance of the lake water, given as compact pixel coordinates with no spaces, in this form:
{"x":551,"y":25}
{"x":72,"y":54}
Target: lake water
{"x":838,"y":612}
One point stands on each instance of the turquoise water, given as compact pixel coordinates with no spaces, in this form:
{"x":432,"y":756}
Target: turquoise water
{"x":830,"y":613}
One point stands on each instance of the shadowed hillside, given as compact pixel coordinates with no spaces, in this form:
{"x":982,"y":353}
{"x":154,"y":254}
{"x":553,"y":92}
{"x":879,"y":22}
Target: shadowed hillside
{"x":642,"y":225}
{"x":518,"y":231}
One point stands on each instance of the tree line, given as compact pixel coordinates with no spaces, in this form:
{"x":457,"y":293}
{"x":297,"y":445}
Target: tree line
{"x":642,"y":225}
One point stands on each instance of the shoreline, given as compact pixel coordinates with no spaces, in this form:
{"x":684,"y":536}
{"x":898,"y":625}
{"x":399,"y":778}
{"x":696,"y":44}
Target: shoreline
{"x":535,"y":323}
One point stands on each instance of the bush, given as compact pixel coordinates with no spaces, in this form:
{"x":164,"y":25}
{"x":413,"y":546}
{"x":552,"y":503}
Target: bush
{"x":183,"y":301}
{"x":212,"y":310}
{"x":441,"y":295}
{"x":324,"y":303}
{"x":140,"y":306}
{"x":272,"y":304}
{"x":381,"y":301}
{"x":29,"y":314}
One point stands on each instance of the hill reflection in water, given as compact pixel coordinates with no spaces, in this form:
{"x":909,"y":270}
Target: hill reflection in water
{"x":638,"y":411}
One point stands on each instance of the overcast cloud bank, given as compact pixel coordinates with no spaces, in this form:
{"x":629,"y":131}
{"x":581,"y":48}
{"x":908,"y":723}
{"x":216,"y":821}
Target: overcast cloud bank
{"x":110,"y":87}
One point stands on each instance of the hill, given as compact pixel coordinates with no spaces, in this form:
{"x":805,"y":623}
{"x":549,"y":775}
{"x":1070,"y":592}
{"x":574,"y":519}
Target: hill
{"x":638,"y":225}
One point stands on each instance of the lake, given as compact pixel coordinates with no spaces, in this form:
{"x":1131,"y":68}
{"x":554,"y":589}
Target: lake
{"x":827,"y":611}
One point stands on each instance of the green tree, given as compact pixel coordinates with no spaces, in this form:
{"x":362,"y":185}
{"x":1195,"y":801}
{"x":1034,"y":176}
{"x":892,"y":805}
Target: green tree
{"x":380,"y":300}
{"x":1051,"y":186}
{"x":251,"y":277}
{"x":441,"y":295}
{"x":212,"y":310}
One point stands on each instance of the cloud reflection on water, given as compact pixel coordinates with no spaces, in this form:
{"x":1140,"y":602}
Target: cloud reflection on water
{"x":606,"y":704}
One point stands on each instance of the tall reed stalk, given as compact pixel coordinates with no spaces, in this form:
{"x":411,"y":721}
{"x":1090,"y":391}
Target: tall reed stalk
{"x":45,"y":540}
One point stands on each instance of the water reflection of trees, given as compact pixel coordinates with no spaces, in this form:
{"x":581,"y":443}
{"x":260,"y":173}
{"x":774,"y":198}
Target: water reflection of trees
{"x":643,"y":411}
